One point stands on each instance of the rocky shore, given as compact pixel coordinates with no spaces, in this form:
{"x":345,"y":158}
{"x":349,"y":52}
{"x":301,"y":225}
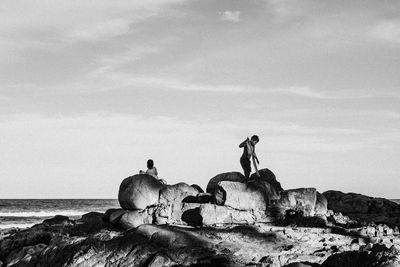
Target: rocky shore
{"x":234,"y":223}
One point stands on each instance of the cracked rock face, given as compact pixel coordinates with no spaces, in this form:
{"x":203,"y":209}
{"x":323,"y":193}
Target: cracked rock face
{"x":170,"y":205}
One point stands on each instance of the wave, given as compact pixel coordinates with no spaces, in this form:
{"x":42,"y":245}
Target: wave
{"x":51,"y":213}
{"x":16,"y":225}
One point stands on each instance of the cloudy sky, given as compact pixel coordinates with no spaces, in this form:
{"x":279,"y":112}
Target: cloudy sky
{"x":89,"y":90}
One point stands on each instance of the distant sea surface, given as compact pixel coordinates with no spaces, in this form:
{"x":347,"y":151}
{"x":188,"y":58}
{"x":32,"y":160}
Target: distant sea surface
{"x":22,"y":213}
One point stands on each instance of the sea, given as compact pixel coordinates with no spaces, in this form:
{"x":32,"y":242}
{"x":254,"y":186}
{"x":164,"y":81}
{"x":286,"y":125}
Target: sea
{"x":23,"y":213}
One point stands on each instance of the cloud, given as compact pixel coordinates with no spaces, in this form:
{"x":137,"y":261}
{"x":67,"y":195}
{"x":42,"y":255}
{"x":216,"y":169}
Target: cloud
{"x":306,"y":91}
{"x":232,"y":16}
{"x":100,"y":30}
{"x":65,"y":22}
{"x":387,"y":31}
{"x":88,"y":155}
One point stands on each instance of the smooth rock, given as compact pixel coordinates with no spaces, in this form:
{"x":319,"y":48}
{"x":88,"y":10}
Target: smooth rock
{"x":139,"y":191}
{"x":116,"y":215}
{"x":134,"y":218}
{"x":212,"y":185}
{"x":266,"y":184}
{"x":172,"y":238}
{"x":243,"y":196}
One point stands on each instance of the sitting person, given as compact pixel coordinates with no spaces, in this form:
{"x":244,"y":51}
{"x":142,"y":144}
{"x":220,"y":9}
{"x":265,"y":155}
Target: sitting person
{"x":151,"y":170}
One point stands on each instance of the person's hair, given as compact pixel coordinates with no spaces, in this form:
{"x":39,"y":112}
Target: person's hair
{"x":255,"y":138}
{"x":150,"y":164}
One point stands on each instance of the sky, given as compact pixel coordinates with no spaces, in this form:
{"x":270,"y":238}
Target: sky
{"x":89,"y":90}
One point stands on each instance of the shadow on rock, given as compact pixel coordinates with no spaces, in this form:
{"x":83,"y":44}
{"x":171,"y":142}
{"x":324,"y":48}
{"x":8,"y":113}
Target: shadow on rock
{"x":192,"y":217}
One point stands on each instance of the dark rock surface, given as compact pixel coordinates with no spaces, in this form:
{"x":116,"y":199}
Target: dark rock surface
{"x":364,"y":208}
{"x":377,"y":256}
{"x":268,"y":183}
{"x":163,"y":245}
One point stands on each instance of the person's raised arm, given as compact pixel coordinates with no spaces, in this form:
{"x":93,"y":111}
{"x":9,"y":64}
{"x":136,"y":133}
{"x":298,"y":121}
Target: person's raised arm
{"x":244,"y":142}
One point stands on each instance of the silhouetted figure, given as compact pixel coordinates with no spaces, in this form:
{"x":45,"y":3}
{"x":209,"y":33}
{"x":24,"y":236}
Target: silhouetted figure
{"x":249,"y":152}
{"x":151,"y":170}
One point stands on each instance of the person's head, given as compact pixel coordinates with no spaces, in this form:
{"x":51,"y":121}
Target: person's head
{"x":150,"y":164}
{"x":255,"y":139}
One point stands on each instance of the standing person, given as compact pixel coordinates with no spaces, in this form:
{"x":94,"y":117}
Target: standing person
{"x":249,"y":152}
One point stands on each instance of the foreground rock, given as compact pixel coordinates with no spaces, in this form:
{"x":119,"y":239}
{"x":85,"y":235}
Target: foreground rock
{"x":63,"y":242}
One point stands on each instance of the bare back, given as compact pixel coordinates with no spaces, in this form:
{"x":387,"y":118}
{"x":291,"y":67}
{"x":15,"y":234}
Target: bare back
{"x":248,"y":149}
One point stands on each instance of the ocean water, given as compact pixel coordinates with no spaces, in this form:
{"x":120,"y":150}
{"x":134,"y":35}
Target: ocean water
{"x":22,"y":213}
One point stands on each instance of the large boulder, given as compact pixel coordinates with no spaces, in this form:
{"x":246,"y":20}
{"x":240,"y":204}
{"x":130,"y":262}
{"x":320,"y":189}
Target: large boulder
{"x":169,"y":209}
{"x":139,"y":191}
{"x":212,"y":185}
{"x":243,"y":196}
{"x":364,"y":208}
{"x":234,"y":190}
